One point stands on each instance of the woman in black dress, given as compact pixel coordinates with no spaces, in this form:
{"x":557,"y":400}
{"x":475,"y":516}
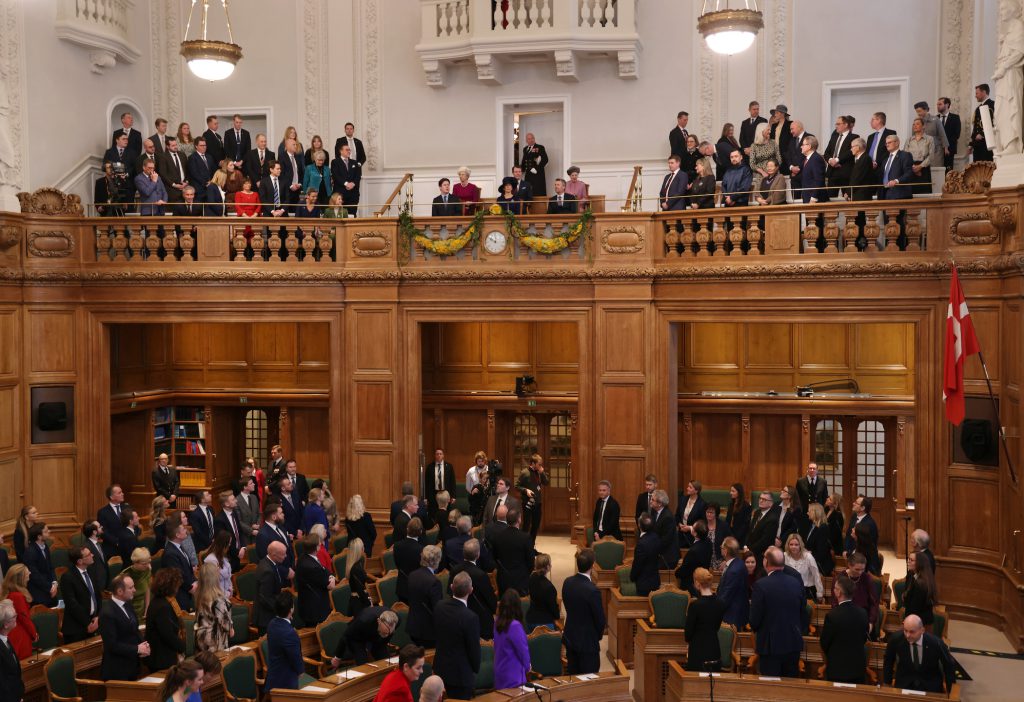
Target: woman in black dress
{"x":165,"y":645}
{"x":836,"y":522}
{"x":355,"y":572}
{"x":544,"y":610}
{"x":737,"y":517}
{"x":703,"y":619}
{"x":919,"y":594}
{"x":359,"y":524}
{"x":817,"y":539}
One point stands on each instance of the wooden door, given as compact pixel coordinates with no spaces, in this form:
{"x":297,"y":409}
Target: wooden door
{"x":550,"y":435}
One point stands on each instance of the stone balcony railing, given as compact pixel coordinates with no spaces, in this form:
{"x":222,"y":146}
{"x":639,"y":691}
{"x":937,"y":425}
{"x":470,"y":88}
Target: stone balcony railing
{"x":101,"y":27}
{"x":865,"y":239}
{"x":487,"y":32}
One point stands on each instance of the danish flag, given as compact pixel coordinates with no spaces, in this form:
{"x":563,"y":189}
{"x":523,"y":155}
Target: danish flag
{"x":961,"y":342}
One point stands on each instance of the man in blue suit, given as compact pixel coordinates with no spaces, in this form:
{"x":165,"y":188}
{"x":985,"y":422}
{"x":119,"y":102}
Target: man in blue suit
{"x":812,"y":173}
{"x":273,"y":530}
{"x":732,"y":589}
{"x":673,"y":188}
{"x":778,"y":615}
{"x":584,"y":618}
{"x":284,"y":650}
{"x":897,"y":171}
{"x":201,"y":168}
{"x":175,"y":557}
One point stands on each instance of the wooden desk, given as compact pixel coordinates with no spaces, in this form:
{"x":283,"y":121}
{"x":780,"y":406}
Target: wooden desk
{"x":682,"y":686}
{"x":607,"y":687}
{"x":88,"y":655}
{"x":624,"y":614}
{"x":359,"y":684}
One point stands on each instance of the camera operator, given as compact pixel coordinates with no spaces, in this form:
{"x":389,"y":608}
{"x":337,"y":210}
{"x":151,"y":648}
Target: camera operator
{"x":531,"y":482}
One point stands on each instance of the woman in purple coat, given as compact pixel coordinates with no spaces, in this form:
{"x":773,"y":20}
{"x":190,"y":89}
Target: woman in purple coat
{"x":511,"y":652}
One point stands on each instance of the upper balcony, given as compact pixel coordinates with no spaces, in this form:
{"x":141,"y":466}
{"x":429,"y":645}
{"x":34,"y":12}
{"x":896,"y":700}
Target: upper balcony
{"x":491,"y":32}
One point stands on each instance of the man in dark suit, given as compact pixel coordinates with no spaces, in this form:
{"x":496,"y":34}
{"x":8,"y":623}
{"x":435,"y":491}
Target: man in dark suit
{"x":732,"y":589}
{"x":677,"y":137}
{"x":273,"y":531}
{"x":839,"y":157}
{"x":778,"y":616}
{"x":227,"y":520}
{"x":524,"y":190}
{"x":161,"y":136}
{"x":644,"y":571}
{"x":457,"y":654}
{"x":897,"y":172}
{"x":292,"y":507}
{"x":917,"y":660}
{"x":10,"y":669}
{"x":454,"y":547}
{"x":258,"y":161}
{"x":861,"y":514}
{"x":293,"y":167}
{"x":874,"y":145}
{"x":644,"y":499}
{"x":951,"y":124}
{"x":175,"y":557}
{"x":749,"y":126}
{"x":128,"y":536}
{"x":501,"y":497}
{"x":440,"y":476}
{"x":42,"y":579}
{"x":346,"y":173}
{"x":407,"y":556}
{"x":812,"y":488}
{"x":355,"y":145}
{"x":424,"y":593}
{"x":81,"y":598}
{"x":764,"y":524}
{"x":698,"y":555}
{"x":119,"y":628}
{"x":367,"y":636}
{"x":98,"y":571}
{"x":513,"y":553}
{"x":606,"y":513}
{"x":188,"y":206}
{"x":446,"y":204}
{"x":533,"y":161}
{"x":201,"y":167}
{"x":268,"y":585}
{"x":562,"y":203}
{"x":201,"y":520}
{"x":978,"y":147}
{"x":291,"y":474}
{"x":844,"y":635}
{"x":214,"y":142}
{"x":120,"y":152}
{"x":165,"y":479}
{"x":284,"y":650}
{"x":277,"y":464}
{"x":271,"y":192}
{"x":584,"y":617}
{"x":793,"y":156}
{"x":400,"y":522}
{"x":237,"y":142}
{"x":673,"y":187}
{"x":313,"y":584}
{"x":128,"y":131}
{"x":483,"y":601}
{"x":863,"y":177}
{"x":812,"y":172}
{"x":665,"y":528}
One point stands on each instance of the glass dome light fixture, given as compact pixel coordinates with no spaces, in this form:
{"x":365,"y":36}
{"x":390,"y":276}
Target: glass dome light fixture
{"x":729,"y":31}
{"x":210,"y":59}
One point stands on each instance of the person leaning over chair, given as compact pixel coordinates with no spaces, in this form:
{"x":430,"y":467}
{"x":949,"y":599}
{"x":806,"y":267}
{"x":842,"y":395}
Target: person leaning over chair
{"x":367,"y":636}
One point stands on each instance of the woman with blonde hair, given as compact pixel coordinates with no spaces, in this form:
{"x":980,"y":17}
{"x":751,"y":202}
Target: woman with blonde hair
{"x":763,"y":150}
{"x":335,"y":208}
{"x":158,"y":522}
{"x":213,"y":613}
{"x":289,"y":133}
{"x":314,"y":512}
{"x":359,"y":524}
{"x":141,"y":572}
{"x":186,"y":144}
{"x":835,"y":520}
{"x":29,"y":516}
{"x":703,"y":619}
{"x":15,"y":589}
{"x":544,"y":609}
{"x":817,"y":540}
{"x":355,"y":573}
{"x":798,"y":558}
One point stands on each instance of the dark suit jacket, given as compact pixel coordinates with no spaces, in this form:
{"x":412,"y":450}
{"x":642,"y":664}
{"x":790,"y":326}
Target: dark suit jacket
{"x":732,"y":592}
{"x":401,"y":525}
{"x":644,"y":571}
{"x":358,"y":152}
{"x":568,"y":206}
{"x":668,"y":537}
{"x":842,"y":641}
{"x":256,"y":171}
{"x":134,"y":139}
{"x":341,"y":174}
{"x":11,"y":683}
{"x":222,"y":522}
{"x":677,"y":141}
{"x":696,"y":514}
{"x":642,"y":505}
{"x":214,"y":146}
{"x":792,"y":155}
{"x":850,"y":544}
{"x":778,"y":615}
{"x":448,"y":482}
{"x":492,"y":504}
{"x":5,"y":562}
{"x":748,"y":130}
{"x":513,"y":554}
{"x":952,"y":127}
{"x":723,"y":147}
{"x":174,"y":557}
{"x":111,"y":523}
{"x":812,"y":179}
{"x":808,"y":496}
{"x":268,"y":587}
{"x":285,"y":655}
{"x":162,"y":634}
{"x":121,"y":639}
{"x":453,"y":553}
{"x":862,"y":177}
{"x":407,"y":559}
{"x":292,"y":515}
{"x":524,"y":191}
{"x":234,"y":148}
{"x":936,"y":667}
{"x":202,"y":529}
{"x":977,"y":129}
{"x":314,"y":599}
{"x":839,"y":175}
{"x":738,"y":522}
{"x":483,"y":600}
{"x":300,"y":490}
{"x":762,"y":532}
{"x":702,"y":193}
{"x":362,"y":641}
{"x":98,"y":571}
{"x":818,"y":542}
{"x":457,"y":654}
{"x":166,"y":485}
{"x":424,"y":593}
{"x":901,"y":170}
{"x":287,"y":177}
{"x":611,"y":519}
{"x":77,"y":604}
{"x":127,"y":542}
{"x":881,"y":153}
{"x":698,"y":556}
{"x":703,"y":620}
{"x":452,"y":209}
{"x":785,"y":143}
{"x":200,"y":169}
{"x":263,"y":538}
{"x":196,"y":210}
{"x":129,"y":158}
{"x":674,"y":193}
{"x":41,"y":575}
{"x":584,"y":614}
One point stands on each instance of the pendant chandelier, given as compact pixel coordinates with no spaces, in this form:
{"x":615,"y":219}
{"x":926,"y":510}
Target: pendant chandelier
{"x":729,"y":31}
{"x":210,"y":59}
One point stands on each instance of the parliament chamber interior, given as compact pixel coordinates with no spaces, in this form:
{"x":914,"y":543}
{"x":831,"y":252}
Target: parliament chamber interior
{"x":281,"y":421}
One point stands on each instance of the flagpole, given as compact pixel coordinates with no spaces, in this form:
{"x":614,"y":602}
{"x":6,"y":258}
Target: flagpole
{"x":999,"y":423}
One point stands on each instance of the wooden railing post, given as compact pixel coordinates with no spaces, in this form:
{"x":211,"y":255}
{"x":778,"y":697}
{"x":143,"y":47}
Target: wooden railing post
{"x":831,"y":232}
{"x":394,"y":193}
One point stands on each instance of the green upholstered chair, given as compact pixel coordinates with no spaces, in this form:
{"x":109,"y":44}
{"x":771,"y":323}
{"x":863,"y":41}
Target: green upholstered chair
{"x":241,"y":615}
{"x":526,"y":606}
{"x":727,"y":641}
{"x":330,"y":634}
{"x":239,"y":678}
{"x":245,"y":583}
{"x":416,"y":685}
{"x":626,"y":586}
{"x":389,"y":539}
{"x":668,"y":607}
{"x":59,"y":558}
{"x":339,"y":543}
{"x":444,"y":576}
{"x":341,"y":598}
{"x":545,"y":652}
{"x":485,"y":676}
{"x":388,"y":588}
{"x":47,"y":623}
{"x":62,"y":682}
{"x":609,"y":553}
{"x":187,"y":624}
{"x":401,"y":636}
{"x":387,"y":559}
{"x":339,"y":564}
{"x":589,"y":531}
{"x":430,"y":536}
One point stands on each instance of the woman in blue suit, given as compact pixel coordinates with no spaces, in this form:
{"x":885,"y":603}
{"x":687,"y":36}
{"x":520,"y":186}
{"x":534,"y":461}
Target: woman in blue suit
{"x":318,"y":177}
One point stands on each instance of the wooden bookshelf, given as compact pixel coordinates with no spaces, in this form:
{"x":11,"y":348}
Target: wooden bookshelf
{"x":181,"y":432}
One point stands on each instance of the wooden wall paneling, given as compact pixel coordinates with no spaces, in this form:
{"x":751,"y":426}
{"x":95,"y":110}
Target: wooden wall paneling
{"x":53,"y":486}
{"x":313,"y":354}
{"x":976,"y":529}
{"x":131,"y":462}
{"x":775,"y":451}
{"x":10,"y":345}
{"x":884,"y":358}
{"x":823,"y":347}
{"x":986,"y":320}
{"x":51,"y":336}
{"x":274,"y":354}
{"x":9,"y":420}
{"x":188,"y":355}
{"x":466,"y":432}
{"x":310,"y":430}
{"x":227,"y":349}
{"x":11,"y":501}
{"x":717,"y":450}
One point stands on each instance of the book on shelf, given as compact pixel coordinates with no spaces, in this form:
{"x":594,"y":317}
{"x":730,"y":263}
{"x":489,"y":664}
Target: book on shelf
{"x":202,"y":430}
{"x":162,"y":415}
{"x":159,"y":432}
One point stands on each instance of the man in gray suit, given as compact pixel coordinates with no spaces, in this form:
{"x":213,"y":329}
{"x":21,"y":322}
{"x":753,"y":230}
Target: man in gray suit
{"x":248,"y":510}
{"x":499,"y":498}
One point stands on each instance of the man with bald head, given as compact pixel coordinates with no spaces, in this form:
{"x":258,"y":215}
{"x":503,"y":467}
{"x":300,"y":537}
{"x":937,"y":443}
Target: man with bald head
{"x":432,"y":689}
{"x":778,"y":616}
{"x":165,"y":479}
{"x":535,"y":157}
{"x":917,"y":660}
{"x":268,"y":584}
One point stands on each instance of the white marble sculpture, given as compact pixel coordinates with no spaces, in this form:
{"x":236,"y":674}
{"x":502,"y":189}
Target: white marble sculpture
{"x":1009,"y":79}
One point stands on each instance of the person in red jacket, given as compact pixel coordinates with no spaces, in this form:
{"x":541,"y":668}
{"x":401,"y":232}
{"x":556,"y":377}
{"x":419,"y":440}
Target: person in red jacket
{"x":396,"y":686}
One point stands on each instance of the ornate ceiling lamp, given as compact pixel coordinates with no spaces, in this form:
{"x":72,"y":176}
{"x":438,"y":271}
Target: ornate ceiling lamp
{"x":210,"y":59}
{"x":729,"y":31}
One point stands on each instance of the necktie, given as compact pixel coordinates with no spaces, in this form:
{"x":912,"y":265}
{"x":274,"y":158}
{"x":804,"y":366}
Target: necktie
{"x":874,"y":146}
{"x":438,"y":479}
{"x":559,"y":200}
{"x":600,"y":520}
{"x":177,"y":166}
{"x":445,"y":199}
{"x":261,"y":158}
{"x":915,"y":654}
{"x":209,"y":519}
{"x":234,"y":528}
{"x":839,"y":145}
{"x":668,"y":188}
{"x":943,"y":118}
{"x":238,"y":143}
{"x":120,"y":152}
{"x":499,"y":503}
{"x":277,"y":194}
{"x":117,"y":510}
{"x":888,"y":165}
{"x":92,"y":592}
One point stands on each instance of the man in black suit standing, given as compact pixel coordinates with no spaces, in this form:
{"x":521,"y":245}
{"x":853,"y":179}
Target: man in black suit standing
{"x":673,"y":187}
{"x":606,"y":513}
{"x":645,"y":498}
{"x":201,"y":167}
{"x":839,"y":157}
{"x":861,"y":514}
{"x":81,"y":599}
{"x":584,"y":618}
{"x":272,"y":194}
{"x":951,"y":124}
{"x":665,"y":528}
{"x":424,"y":593}
{"x":978,"y":147}
{"x":440,"y":476}
{"x":10,"y":668}
{"x":346,"y":174}
{"x":175,"y":557}
{"x":764,"y":524}
{"x":677,"y":137}
{"x":268,"y":584}
{"x":812,"y":488}
{"x":201,"y":520}
{"x":533,"y":161}
{"x":748,"y":127}
{"x":214,"y":142}
{"x":404,"y":517}
{"x":513,"y":552}
{"x":781,"y":133}
{"x":407,"y":556}
{"x":300,"y":486}
{"x":119,"y":628}
{"x":160,"y":137}
{"x":862,"y":175}
{"x":483,"y":601}
{"x":793,"y":156}
{"x":644,"y":571}
{"x":355,"y":145}
{"x":293,"y":509}
{"x":917,"y":660}
{"x":277,"y":464}
{"x":561,"y":202}
{"x":227,"y":520}
{"x":292,"y":169}
{"x":165,"y":479}
{"x":844,"y":635}
{"x":5,"y":558}
{"x":237,"y":142}
{"x":875,"y":144}
{"x":313,"y":583}
{"x":258,"y":162}
{"x":109,"y":516}
{"x":173,"y":169}
{"x":778,"y":616}
{"x":127,"y":129}
{"x":446,"y":204}
{"x":121,"y":152}
{"x":457,"y":654}
{"x":98,"y":571}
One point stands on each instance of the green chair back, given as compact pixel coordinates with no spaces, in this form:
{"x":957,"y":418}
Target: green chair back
{"x":156,"y":560}
{"x":59,"y":557}
{"x":339,"y":543}
{"x":238,"y":677}
{"x":305,"y":679}
{"x":416,"y":685}
{"x":339,"y":564}
{"x":240,"y":622}
{"x":252,"y":556}
{"x":590,"y":536}
{"x":78,"y":539}
{"x":389,"y":539}
{"x":485,"y":677}
{"x":114,"y":566}
{"x":609,"y":554}
{"x":187,"y":623}
{"x":669,"y":608}
{"x":401,"y":636}
{"x":626,"y":586}
{"x":430,"y":536}
{"x":726,"y":644}
{"x":47,"y":624}
{"x":387,"y":559}
{"x":245,"y":584}
{"x":898,"y":588}
{"x":808,"y":616}
{"x":148,"y":543}
{"x":341,"y":598}
{"x":546,"y":652}
{"x":388,"y":589}
{"x":331,"y":632}
{"x":60,"y":675}
{"x":444,"y":576}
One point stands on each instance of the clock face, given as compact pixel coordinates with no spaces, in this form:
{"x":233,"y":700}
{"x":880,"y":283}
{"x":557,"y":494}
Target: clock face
{"x":494,"y":242}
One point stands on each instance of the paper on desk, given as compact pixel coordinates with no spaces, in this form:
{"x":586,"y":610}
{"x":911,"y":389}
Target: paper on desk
{"x":713,"y":675}
{"x":588,"y":676}
{"x":914,"y":692}
{"x":314,"y":686}
{"x":393,"y":660}
{"x":152,"y":679}
{"x":839,"y":684}
{"x":349,"y":675}
{"x":48,"y":653}
{"x":770,"y":678}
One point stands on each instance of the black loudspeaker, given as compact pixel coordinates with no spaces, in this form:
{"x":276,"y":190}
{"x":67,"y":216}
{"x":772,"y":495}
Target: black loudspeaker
{"x":52,"y":416}
{"x":976,"y":440}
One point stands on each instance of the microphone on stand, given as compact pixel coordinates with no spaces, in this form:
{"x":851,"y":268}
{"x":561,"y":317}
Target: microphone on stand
{"x":710,"y":666}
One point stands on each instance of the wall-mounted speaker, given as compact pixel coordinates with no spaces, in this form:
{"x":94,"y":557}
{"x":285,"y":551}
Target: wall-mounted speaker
{"x":976,"y":440}
{"x":53,"y":414}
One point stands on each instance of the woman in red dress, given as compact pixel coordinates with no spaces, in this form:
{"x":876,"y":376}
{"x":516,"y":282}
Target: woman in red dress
{"x":247,"y":203}
{"x":15,"y":589}
{"x":468,"y":193}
